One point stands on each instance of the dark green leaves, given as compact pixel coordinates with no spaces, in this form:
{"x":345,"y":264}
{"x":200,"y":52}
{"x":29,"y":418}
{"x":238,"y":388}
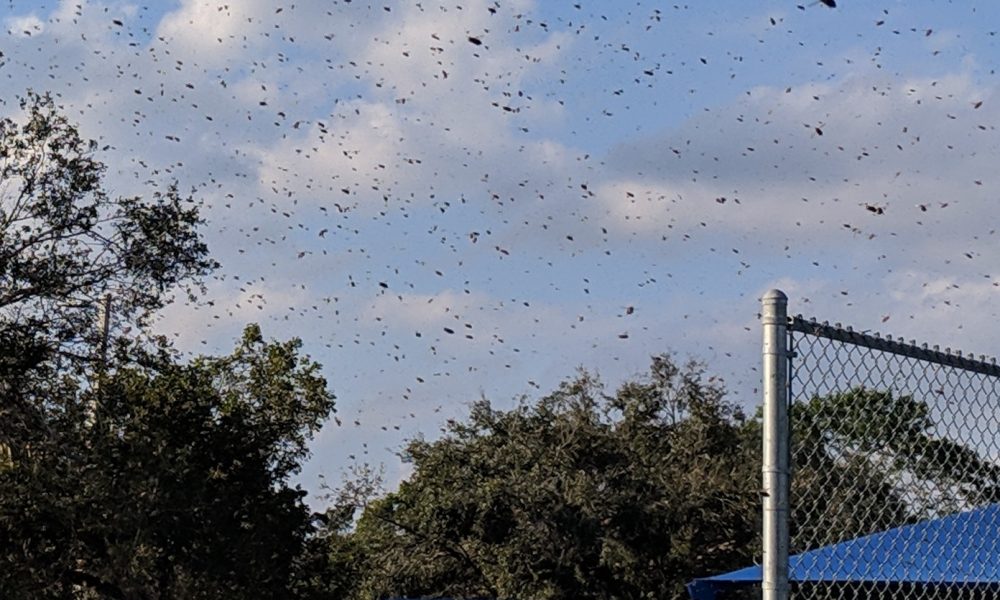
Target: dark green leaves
{"x":146,"y":477}
{"x":170,"y":481}
{"x":581,"y":494}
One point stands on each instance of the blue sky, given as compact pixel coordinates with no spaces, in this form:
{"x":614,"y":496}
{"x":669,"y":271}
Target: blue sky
{"x":593,"y":183}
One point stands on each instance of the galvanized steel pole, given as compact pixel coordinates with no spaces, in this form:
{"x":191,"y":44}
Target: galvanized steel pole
{"x":774,"y":582}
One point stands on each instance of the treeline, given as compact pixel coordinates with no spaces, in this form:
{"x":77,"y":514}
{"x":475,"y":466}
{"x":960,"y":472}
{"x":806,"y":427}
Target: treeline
{"x":631,"y":493}
{"x":134,"y":474}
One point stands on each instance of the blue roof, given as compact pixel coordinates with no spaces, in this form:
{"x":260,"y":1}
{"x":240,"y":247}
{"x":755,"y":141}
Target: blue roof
{"x":962,"y":548}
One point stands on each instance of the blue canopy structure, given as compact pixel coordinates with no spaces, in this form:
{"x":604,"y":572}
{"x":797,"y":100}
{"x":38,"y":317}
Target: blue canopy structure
{"x":962,"y":549}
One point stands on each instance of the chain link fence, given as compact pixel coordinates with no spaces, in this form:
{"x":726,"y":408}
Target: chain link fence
{"x":893,"y":472}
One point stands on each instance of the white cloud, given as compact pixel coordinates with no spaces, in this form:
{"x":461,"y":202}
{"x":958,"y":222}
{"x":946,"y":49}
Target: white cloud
{"x":882,"y":161}
{"x":440,"y":115}
{"x":24,"y":26}
{"x":211,"y":33}
{"x":421,"y":310}
{"x":214,"y":327}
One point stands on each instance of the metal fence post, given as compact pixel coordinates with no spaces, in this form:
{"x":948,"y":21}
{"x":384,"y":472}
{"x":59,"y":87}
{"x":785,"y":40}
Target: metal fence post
{"x":774,"y":583}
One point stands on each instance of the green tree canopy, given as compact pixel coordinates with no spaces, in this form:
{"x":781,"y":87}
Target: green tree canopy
{"x":631,"y":494}
{"x":582,"y":494}
{"x":869,"y":460}
{"x":145,"y":476}
{"x":169,"y":481}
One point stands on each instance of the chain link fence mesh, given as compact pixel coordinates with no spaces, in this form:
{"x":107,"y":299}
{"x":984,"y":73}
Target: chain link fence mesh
{"x":894,"y":470}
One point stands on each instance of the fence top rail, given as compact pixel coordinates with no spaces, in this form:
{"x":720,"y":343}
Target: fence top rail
{"x":910,"y":349}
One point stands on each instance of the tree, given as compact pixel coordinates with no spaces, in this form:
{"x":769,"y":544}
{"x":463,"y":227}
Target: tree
{"x":65,"y":243}
{"x":142,"y":476}
{"x":176,"y":488}
{"x":868,"y":460}
{"x":584,"y":494}
{"x":580,"y":495}
{"x":334,"y":561}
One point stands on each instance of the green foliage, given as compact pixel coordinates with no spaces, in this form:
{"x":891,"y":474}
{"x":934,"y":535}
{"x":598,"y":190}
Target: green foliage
{"x":144,"y":477}
{"x":867,"y":460}
{"x":584,"y":494}
{"x":170,"y":481}
{"x":334,"y":560}
{"x":580,"y":495}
